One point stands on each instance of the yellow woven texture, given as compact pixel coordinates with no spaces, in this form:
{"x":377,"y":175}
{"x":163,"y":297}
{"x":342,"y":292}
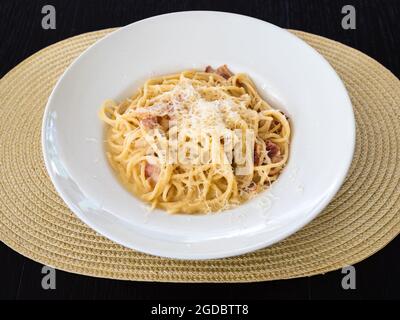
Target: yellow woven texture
{"x":362,"y":218}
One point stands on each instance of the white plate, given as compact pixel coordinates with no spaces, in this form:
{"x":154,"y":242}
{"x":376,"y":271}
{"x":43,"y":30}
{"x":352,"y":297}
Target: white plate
{"x":288,"y":72}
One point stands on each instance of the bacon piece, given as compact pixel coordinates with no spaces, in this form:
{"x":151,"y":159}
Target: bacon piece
{"x":272,"y":148}
{"x":224,"y":72}
{"x":164,"y":122}
{"x":209,"y":69}
{"x":277,"y":158}
{"x":149,"y":122}
{"x":152,"y":172}
{"x":273,"y":151}
{"x":257,"y":154}
{"x":252,"y":187}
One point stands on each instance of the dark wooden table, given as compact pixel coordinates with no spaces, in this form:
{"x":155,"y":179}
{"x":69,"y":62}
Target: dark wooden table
{"x":377,"y":34}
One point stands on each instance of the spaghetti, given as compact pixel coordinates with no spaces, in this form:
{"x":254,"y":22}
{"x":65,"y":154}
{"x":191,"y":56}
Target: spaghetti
{"x":196,"y":142}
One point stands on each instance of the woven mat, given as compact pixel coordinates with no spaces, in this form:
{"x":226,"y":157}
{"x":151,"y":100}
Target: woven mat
{"x":362,"y":218}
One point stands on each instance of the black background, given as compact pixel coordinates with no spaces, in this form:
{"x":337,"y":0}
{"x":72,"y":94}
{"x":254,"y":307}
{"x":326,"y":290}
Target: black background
{"x":377,"y":34}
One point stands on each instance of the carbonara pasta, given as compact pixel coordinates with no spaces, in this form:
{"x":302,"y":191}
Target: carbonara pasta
{"x":196,"y":141}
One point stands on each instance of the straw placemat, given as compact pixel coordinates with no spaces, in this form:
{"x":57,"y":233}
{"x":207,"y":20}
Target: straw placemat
{"x":362,"y":218}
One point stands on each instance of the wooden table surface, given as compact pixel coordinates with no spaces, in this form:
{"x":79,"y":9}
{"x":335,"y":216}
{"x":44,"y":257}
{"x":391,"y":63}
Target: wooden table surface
{"x":377,"y":34}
